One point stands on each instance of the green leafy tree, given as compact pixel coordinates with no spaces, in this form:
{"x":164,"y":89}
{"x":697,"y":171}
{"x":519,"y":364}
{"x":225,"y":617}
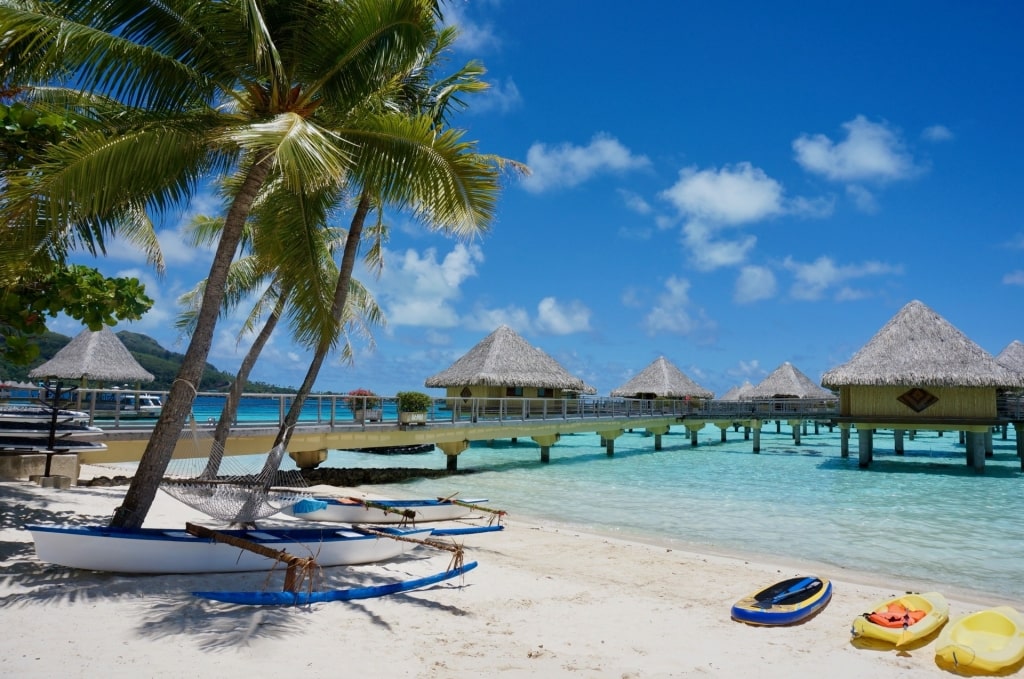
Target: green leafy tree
{"x":80,"y":292}
{"x":207,"y":89}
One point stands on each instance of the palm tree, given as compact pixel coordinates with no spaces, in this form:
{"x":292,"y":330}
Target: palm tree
{"x":235,"y":88}
{"x":429,"y":104}
{"x":292,"y":263}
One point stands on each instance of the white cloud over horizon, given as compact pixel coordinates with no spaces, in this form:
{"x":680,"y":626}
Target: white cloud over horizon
{"x":675,"y":313}
{"x":566,"y":165}
{"x":814,"y":279}
{"x":419,"y":291}
{"x":870,"y":152}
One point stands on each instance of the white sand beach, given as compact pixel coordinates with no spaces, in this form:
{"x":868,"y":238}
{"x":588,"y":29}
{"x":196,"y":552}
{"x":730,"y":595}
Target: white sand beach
{"x":546,"y":600}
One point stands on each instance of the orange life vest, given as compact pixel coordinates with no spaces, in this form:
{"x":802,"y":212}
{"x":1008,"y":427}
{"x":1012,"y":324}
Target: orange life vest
{"x":896,"y":615}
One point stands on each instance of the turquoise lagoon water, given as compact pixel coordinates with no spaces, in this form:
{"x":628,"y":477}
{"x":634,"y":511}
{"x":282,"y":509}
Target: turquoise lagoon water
{"x":923,"y":517}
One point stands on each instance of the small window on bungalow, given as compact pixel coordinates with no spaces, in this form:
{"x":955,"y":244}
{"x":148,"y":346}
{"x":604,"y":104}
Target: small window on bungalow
{"x":545,"y":393}
{"x":513,"y":392}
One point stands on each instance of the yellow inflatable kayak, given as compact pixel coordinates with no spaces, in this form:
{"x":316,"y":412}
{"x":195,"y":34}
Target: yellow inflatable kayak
{"x":989,"y":640}
{"x":904,"y":619}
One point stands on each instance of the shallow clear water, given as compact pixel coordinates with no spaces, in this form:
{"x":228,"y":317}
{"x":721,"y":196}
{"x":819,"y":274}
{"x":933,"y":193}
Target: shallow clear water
{"x":923,"y":516}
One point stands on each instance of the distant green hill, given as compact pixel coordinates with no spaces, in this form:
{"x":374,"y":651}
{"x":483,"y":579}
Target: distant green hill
{"x":162,"y":363}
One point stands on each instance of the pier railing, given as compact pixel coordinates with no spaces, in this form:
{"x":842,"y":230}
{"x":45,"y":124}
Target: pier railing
{"x":110,"y":409}
{"x":343,"y":410}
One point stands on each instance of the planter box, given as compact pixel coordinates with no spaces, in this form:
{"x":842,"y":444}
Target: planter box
{"x":412,"y":418}
{"x":366,"y":415}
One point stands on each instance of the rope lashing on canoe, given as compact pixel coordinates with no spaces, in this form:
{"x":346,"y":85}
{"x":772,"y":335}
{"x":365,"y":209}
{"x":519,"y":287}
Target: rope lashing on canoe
{"x":406,"y":514}
{"x":458,"y":555}
{"x":299,"y":569}
{"x":496,"y":514}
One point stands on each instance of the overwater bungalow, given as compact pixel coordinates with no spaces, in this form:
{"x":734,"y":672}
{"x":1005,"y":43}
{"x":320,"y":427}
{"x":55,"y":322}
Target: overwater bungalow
{"x":919,"y":372}
{"x":784,"y":383}
{"x":661,"y":380}
{"x":504,"y":365}
{"x":738,"y":393}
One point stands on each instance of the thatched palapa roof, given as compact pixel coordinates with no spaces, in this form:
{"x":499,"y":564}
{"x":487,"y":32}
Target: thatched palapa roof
{"x":1012,"y":357}
{"x":663,"y":380}
{"x":740,"y":393}
{"x":918,"y":347}
{"x":505,"y":359}
{"x":788,"y":382}
{"x":97,"y":356}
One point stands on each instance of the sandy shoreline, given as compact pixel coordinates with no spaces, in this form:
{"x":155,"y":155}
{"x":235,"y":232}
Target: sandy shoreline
{"x":546,"y":600}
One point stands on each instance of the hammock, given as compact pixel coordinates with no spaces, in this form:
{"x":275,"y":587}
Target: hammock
{"x":243,"y":495}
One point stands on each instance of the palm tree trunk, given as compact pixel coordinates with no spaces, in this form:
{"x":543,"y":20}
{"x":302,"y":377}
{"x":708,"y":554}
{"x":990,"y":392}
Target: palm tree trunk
{"x":230,"y":410}
{"x":348,"y":264}
{"x":142,"y":491}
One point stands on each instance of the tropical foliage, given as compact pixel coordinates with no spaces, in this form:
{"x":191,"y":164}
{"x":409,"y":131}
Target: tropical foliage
{"x":362,"y":399}
{"x":80,"y":292}
{"x":166,"y":96}
{"x":413,"y":402}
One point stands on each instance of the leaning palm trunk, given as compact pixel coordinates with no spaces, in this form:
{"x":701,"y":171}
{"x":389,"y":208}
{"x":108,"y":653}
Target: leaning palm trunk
{"x":178,"y":405}
{"x":348,"y":263}
{"x":230,"y":410}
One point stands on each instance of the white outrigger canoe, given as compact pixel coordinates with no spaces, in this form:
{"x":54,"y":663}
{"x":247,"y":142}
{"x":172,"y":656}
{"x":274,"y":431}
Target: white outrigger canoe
{"x":358,"y":510}
{"x":168,"y":550}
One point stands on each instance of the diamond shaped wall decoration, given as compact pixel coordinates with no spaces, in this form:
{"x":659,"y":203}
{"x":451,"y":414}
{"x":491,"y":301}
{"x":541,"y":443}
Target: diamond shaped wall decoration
{"x":918,"y":399}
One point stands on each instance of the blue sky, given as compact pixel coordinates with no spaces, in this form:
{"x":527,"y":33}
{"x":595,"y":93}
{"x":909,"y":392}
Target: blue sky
{"x":731,"y":185}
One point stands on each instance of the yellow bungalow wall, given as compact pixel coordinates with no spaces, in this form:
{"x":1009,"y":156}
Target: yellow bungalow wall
{"x":883,"y":401}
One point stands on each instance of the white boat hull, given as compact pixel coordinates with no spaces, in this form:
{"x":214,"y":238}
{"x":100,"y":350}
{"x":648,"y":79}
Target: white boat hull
{"x":167,"y":551}
{"x":337,"y":510}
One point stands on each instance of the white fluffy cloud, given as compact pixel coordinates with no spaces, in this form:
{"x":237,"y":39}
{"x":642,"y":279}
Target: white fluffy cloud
{"x":734,"y":195}
{"x":713,"y":200}
{"x":870,"y":152}
{"x":675,"y":312}
{"x":567,"y":165}
{"x":814,"y":279}
{"x":754,"y":284}
{"x":419,"y":291}
{"x":562,"y":319}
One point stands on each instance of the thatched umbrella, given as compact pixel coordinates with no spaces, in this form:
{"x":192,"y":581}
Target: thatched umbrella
{"x":919,"y":348}
{"x":661,"y":379}
{"x":788,"y":382}
{"x":740,"y":393}
{"x":505,"y":359}
{"x":91,"y":355}
{"x":99,"y":356}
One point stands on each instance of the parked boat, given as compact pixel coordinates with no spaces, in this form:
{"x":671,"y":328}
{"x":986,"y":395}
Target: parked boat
{"x":358,"y":510}
{"x":34,"y":413}
{"x":127,"y":405}
{"x":784,"y":603}
{"x":902,"y":620}
{"x":41,"y":429}
{"x":169,"y":550}
{"x":990,"y":640}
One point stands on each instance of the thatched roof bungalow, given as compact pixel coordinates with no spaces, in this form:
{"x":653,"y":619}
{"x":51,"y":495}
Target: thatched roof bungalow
{"x":662,"y":380}
{"x":504,"y":365}
{"x":919,"y":368}
{"x":1012,"y":357}
{"x":97,"y":356}
{"x":740,"y":393}
{"x":788,"y":382}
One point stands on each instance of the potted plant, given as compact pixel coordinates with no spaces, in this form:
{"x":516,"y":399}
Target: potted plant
{"x":413,"y":407}
{"x":365,"y":405}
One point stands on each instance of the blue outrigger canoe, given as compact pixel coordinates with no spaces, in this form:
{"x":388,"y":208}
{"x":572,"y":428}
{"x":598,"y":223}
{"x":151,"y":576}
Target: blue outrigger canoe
{"x":784,"y":603}
{"x":304,"y":598}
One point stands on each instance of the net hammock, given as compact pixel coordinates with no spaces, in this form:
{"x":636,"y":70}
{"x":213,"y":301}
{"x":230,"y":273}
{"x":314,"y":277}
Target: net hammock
{"x":239,"y":490}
